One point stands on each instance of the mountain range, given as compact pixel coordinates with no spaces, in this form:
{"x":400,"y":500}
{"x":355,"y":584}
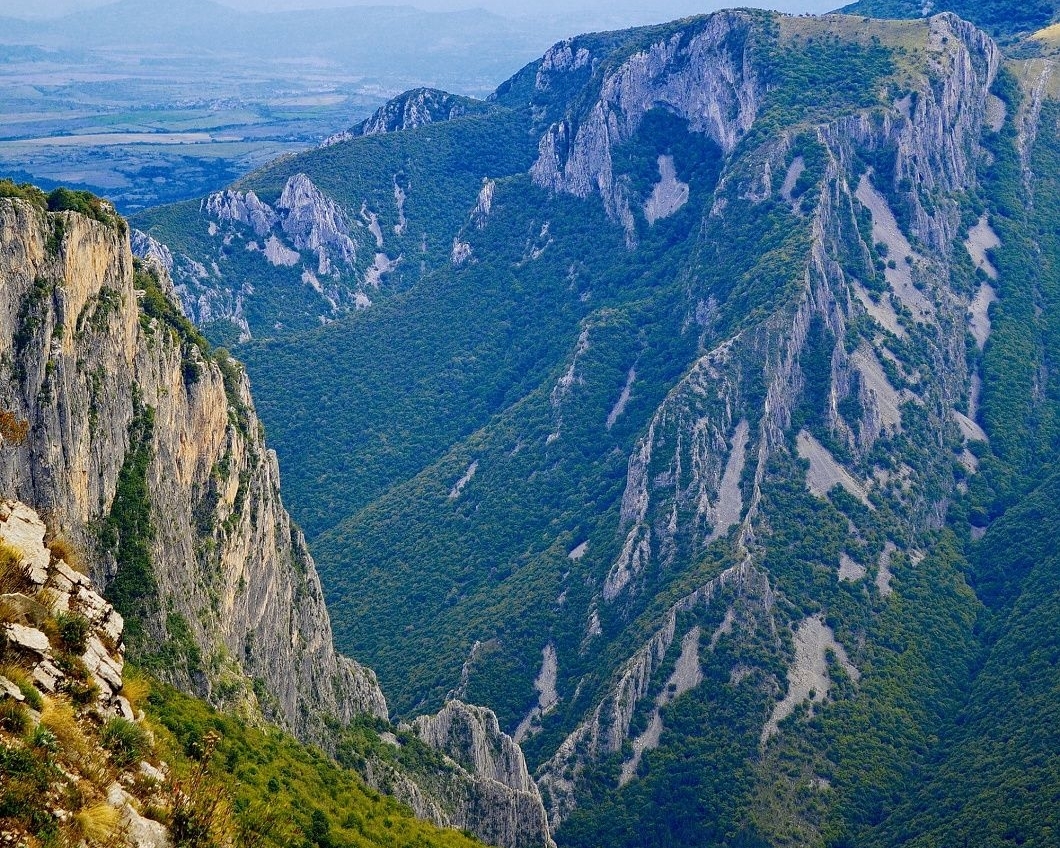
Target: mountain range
{"x":690,"y":405}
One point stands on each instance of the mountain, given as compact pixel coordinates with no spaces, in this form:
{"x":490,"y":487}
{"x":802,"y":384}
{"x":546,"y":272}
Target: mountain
{"x":685,"y":409}
{"x":167,"y":544}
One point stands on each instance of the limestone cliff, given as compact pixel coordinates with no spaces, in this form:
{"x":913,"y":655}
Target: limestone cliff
{"x":479,"y":782}
{"x":681,"y":492}
{"x":415,"y":108}
{"x":131,"y":424}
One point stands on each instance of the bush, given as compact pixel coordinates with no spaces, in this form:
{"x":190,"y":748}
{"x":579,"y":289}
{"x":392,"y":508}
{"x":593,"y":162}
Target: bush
{"x":12,"y":569}
{"x":126,"y":741}
{"x":14,"y":718}
{"x":73,"y":632}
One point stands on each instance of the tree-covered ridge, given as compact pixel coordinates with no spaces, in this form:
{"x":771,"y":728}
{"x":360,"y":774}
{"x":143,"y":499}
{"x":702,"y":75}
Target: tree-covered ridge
{"x":1001,"y":18}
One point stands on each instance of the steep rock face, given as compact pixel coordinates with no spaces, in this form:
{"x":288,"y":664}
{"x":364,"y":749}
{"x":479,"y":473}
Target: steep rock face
{"x":705,"y":77}
{"x":305,"y":230}
{"x":498,"y":800}
{"x":118,"y":404}
{"x":674,"y":489}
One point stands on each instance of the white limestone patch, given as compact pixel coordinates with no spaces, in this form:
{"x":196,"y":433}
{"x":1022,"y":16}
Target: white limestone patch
{"x":971,"y":431}
{"x":372,"y":220}
{"x":279,"y":254}
{"x":484,"y":205}
{"x":635,"y":554}
{"x":888,"y":399}
{"x":885,"y":229}
{"x":884,"y":574}
{"x":882,"y":313}
{"x":578,"y":552}
{"x":212,"y":229}
{"x":623,"y":399}
{"x":458,"y":487}
{"x":547,"y":697}
{"x":381,"y":265}
{"x":399,"y":201}
{"x":361,"y":300}
{"x":996,"y":112}
{"x":825,"y":472}
{"x":849,"y":570}
{"x":21,"y":528}
{"x":686,"y":676}
{"x":795,"y":170}
{"x":310,"y":279}
{"x":979,"y":314}
{"x":461,"y":252}
{"x":982,"y":238}
{"x":808,"y":678}
{"x":253,"y":247}
{"x":669,"y":194}
{"x":730,"y":498}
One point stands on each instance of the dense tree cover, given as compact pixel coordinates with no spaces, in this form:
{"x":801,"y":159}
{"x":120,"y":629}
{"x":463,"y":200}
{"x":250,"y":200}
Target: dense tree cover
{"x":271,"y":790}
{"x":998,"y":17}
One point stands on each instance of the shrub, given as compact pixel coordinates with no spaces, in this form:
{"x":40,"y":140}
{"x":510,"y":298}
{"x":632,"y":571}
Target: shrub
{"x":14,"y":718}
{"x":19,"y":677}
{"x":127,"y":741}
{"x":135,"y":687}
{"x":73,"y":631}
{"x":62,"y":548}
{"x":59,"y":718}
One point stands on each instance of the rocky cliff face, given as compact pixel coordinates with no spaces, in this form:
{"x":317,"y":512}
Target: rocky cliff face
{"x":415,"y":108}
{"x":480,"y":782}
{"x":132,"y":426}
{"x":681,"y":491}
{"x":304,"y":233}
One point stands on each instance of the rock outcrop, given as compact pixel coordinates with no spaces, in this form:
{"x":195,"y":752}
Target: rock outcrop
{"x":481,"y":784}
{"x":415,"y":108}
{"x":131,"y":425}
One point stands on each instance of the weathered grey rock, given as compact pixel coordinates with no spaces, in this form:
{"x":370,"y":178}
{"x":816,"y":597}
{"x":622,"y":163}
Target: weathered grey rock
{"x":27,"y":639}
{"x":10,"y":690}
{"x":225,"y":554}
{"x":139,"y":832}
{"x":243,"y":208}
{"x":151,"y":250}
{"x":26,"y":610}
{"x":22,"y":528}
{"x":315,"y":222}
{"x":487,"y":789}
{"x":46,"y":676}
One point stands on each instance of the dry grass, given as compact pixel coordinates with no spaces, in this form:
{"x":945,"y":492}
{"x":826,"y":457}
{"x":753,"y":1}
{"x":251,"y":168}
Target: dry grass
{"x":62,"y":548}
{"x":13,"y":576}
{"x":59,"y":718}
{"x":135,"y":687}
{"x":98,"y":823}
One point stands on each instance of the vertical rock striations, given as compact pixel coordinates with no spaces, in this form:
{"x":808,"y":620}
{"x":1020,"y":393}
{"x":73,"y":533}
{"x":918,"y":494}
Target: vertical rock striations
{"x":135,"y":432}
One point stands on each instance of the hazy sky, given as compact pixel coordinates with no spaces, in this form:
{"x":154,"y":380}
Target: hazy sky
{"x":634,"y":10}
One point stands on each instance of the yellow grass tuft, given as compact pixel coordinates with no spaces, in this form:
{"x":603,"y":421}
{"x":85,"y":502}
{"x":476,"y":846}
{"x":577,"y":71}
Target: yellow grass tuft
{"x":59,"y":718}
{"x":62,"y":548}
{"x":98,"y":823}
{"x":12,"y":569}
{"x":135,"y":687}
